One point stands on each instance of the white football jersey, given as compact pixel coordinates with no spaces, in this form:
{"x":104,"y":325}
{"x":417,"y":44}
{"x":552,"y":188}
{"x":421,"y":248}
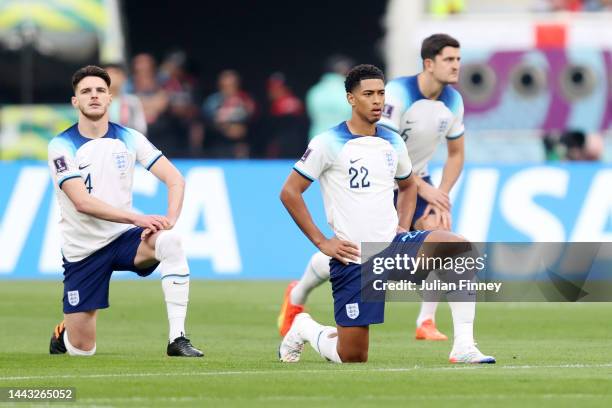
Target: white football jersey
{"x":106,"y":166}
{"x":357,"y":176}
{"x":422,"y":123}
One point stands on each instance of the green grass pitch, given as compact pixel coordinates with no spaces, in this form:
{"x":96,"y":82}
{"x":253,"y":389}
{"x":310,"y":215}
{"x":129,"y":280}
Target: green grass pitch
{"x":549,"y":355}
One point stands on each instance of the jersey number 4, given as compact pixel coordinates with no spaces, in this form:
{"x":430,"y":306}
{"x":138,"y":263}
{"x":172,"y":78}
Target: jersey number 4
{"x":88,"y":183}
{"x":356,"y":181}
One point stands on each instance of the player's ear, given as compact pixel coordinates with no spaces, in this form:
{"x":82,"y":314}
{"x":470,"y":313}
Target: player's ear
{"x":428,"y":64}
{"x":74,"y":101}
{"x":350,"y":98}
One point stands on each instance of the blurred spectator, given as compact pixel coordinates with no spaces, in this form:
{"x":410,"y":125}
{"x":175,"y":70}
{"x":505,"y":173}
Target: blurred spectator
{"x":286,"y":128}
{"x":445,"y":7}
{"x":326,"y":101}
{"x":558,"y":5}
{"x":145,"y":84}
{"x":183,"y":114}
{"x":126,"y":109}
{"x":228,"y":114}
{"x":573,"y":145}
{"x":597,"y":5}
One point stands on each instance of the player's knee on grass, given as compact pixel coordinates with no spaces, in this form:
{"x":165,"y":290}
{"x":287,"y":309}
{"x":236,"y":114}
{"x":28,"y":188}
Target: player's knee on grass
{"x":353,"y":344}
{"x":354,"y":356}
{"x":81,"y":332}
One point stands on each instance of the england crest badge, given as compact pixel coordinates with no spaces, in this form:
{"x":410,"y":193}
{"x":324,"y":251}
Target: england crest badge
{"x":73,"y":297}
{"x":121,"y":161}
{"x":352,"y":310}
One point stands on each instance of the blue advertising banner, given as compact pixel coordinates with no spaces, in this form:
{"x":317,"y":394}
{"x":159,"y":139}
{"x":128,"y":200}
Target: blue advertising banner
{"x":235,"y":227}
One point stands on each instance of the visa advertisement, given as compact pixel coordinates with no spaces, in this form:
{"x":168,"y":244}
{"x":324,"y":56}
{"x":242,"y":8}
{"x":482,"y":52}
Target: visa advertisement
{"x":235,"y":227}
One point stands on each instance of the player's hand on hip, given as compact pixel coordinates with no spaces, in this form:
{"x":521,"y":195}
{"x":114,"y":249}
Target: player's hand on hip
{"x":344,"y":251}
{"x":435,"y":196}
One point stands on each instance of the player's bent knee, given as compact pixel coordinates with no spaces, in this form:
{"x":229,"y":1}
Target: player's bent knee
{"x":429,"y":223}
{"x":79,"y":348}
{"x":354,"y":356}
{"x":444,"y":236}
{"x":168,"y":245}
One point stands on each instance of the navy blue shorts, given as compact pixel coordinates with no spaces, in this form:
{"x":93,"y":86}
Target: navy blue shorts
{"x":86,"y":281}
{"x":347,"y":284}
{"x":421,"y":203}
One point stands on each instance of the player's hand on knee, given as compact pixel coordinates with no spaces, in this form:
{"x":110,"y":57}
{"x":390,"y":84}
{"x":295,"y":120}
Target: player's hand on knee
{"x":434,"y":218}
{"x":344,"y":251}
{"x":435,"y":196}
{"x":152,"y":222}
{"x":447,"y":220}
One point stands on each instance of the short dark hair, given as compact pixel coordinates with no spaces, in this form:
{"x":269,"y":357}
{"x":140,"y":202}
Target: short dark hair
{"x":90,"y":70}
{"x":361,"y":72}
{"x":434,"y":44}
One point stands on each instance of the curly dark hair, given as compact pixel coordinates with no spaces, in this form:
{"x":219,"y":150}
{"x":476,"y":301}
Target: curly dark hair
{"x":361,"y":72}
{"x":90,"y":70}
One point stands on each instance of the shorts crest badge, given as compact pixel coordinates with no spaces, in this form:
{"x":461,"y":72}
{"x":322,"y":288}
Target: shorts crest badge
{"x":352,"y":310}
{"x":73,"y":297}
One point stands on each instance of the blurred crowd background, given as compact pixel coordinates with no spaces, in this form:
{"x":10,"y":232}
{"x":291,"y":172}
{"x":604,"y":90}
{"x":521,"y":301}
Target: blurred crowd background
{"x":242,"y":79}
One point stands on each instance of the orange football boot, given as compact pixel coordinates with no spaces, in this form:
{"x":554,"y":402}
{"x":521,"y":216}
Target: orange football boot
{"x":428,"y":331}
{"x":288,"y":311}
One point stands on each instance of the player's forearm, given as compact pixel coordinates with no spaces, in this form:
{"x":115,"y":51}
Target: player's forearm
{"x":99,"y":209}
{"x":295,"y":205}
{"x":176,"y":194}
{"x":451,"y":172}
{"x":406,"y":203}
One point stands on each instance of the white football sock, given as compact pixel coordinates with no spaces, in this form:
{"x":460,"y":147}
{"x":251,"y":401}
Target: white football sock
{"x":73,"y":351}
{"x":463,"y":321}
{"x":428,"y":312}
{"x":316,"y":272}
{"x":175,"y":280}
{"x":324,"y":339}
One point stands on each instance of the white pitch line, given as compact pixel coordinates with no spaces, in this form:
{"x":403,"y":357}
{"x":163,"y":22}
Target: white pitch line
{"x":309,"y":371}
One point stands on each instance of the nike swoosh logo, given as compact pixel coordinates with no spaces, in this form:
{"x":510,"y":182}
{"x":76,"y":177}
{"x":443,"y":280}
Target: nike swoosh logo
{"x":356,"y":160}
{"x":179,"y":283}
{"x":410,"y":122}
{"x":84,"y":167}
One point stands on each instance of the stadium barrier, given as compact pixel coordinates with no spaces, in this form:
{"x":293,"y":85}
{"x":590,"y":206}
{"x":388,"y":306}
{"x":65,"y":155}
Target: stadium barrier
{"x":235,"y":227}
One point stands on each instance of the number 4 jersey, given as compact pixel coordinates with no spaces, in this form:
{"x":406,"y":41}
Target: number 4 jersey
{"x":357,"y":176}
{"x":106,"y":166}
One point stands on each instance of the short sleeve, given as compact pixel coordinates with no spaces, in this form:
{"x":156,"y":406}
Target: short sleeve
{"x":315,"y":160}
{"x":457,"y":128}
{"x":395,"y":105}
{"x":62,"y":161}
{"x":404,"y":164}
{"x":146,"y":153}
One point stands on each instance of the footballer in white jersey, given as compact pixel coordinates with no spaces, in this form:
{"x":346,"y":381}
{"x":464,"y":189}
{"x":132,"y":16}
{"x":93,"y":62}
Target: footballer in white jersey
{"x":426,"y":111}
{"x":106,"y":167}
{"x":358,"y":164}
{"x":92,"y":166}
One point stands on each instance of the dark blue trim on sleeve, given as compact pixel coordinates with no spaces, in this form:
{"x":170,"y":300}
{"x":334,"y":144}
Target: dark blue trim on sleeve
{"x":154,"y":161}
{"x":404,"y":178}
{"x":454,"y":137}
{"x":67,"y":178}
{"x":307,"y":177}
